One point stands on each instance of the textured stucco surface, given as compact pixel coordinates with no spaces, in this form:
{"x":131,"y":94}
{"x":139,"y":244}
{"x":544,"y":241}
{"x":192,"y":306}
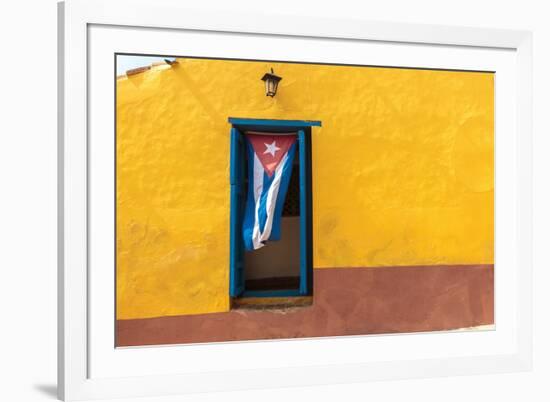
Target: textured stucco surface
{"x":346,"y":301}
{"x":402,"y":172}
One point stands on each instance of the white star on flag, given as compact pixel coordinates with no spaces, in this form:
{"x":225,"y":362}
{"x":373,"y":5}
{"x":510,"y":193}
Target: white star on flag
{"x":271,"y":148}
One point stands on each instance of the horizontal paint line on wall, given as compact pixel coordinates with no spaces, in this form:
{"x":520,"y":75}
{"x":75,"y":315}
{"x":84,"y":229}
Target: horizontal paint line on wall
{"x":405,"y":266}
{"x":346,"y":301}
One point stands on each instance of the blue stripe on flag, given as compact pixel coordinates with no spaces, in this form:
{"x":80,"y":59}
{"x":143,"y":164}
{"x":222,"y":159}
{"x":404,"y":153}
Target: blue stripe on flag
{"x":262,"y":210}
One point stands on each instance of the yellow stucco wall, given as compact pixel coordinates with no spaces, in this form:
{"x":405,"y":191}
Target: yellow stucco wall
{"x":402,"y":172}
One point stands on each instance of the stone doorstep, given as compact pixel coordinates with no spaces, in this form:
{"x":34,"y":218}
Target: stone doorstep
{"x":271,"y":303}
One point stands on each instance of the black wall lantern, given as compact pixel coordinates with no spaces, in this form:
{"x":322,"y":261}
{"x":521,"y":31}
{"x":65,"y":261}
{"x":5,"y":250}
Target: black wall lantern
{"x":271,"y":82}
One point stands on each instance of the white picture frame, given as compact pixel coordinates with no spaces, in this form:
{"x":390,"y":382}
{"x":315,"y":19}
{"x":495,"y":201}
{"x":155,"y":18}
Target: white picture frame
{"x":90,"y":368}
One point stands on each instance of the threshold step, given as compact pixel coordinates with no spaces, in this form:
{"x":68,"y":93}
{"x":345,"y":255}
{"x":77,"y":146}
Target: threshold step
{"x":263,"y":303}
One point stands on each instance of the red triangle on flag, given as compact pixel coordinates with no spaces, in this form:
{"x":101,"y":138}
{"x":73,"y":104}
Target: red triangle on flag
{"x":270,"y":148}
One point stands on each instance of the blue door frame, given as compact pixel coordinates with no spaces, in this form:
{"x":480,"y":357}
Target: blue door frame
{"x":237,"y":275}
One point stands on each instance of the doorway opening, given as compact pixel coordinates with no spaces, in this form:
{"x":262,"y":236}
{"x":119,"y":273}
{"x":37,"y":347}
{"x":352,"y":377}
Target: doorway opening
{"x":282,"y":268}
{"x":276,"y":266}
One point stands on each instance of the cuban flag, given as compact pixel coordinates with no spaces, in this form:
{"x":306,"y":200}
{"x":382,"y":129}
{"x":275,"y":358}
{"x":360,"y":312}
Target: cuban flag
{"x":270,"y":159}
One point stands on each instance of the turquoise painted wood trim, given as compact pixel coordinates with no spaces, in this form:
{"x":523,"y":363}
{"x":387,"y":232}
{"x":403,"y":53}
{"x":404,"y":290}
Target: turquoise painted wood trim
{"x":309,"y":215}
{"x":237,"y":275}
{"x":303,"y":211}
{"x":236,"y":263}
{"x":233,"y":165}
{"x":239,"y":121}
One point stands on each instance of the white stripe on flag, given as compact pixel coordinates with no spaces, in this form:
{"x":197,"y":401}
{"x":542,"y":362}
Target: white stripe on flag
{"x":258,"y":188}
